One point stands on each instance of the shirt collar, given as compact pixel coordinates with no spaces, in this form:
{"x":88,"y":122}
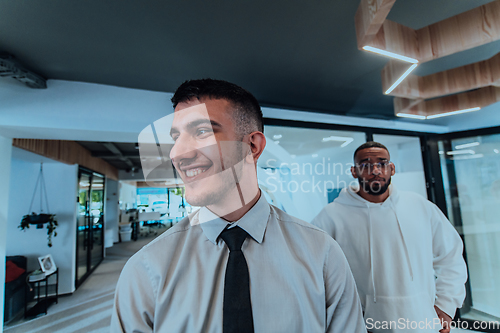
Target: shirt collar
{"x":254,"y":222}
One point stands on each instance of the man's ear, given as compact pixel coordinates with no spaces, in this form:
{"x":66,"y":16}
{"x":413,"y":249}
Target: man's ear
{"x":353,"y":172}
{"x":257,"y":143}
{"x":393,"y":169}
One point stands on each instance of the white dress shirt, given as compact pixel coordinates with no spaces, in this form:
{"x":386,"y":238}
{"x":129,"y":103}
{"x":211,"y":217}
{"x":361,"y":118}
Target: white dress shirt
{"x":299,"y":278}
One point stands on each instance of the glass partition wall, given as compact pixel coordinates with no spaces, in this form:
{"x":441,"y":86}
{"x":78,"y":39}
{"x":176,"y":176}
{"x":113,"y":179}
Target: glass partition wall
{"x":306,"y":165}
{"x":303,"y":169}
{"x":471,"y":178}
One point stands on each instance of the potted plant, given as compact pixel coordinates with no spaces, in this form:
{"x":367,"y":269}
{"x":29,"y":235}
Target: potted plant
{"x":40,"y":219}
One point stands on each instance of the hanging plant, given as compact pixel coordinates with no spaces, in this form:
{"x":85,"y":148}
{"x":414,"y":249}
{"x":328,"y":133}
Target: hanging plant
{"x":40,"y":219}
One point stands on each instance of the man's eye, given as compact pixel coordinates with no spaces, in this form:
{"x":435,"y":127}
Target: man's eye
{"x":202,"y":131}
{"x":175,"y":137}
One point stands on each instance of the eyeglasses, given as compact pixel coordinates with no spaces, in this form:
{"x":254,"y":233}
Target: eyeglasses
{"x":369,"y":167}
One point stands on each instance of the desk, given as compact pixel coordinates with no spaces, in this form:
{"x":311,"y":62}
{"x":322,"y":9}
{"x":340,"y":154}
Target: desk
{"x":142,"y":217}
{"x":43,"y":302}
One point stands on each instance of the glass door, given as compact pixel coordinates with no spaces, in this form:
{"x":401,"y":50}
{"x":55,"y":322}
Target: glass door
{"x":471,"y":180}
{"x":82,"y":223}
{"x":96,"y":220}
{"x":406,"y":154}
{"x":90,"y":240}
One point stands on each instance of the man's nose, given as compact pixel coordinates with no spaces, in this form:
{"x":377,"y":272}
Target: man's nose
{"x":376,"y":169}
{"x":183,"y":148}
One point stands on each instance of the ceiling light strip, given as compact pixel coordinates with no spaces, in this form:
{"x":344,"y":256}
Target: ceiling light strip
{"x":398,"y":81}
{"x":412,"y":116}
{"x":461,"y":152}
{"x":467,"y":145}
{"x":390,"y":54}
{"x":439,"y":115}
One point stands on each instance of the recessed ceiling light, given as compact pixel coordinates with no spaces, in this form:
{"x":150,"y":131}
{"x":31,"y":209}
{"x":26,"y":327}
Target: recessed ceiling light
{"x":390,"y":54}
{"x":496,"y":151}
{"x":277,"y":136}
{"x":461,"y":152}
{"x":276,"y":142}
{"x":412,"y":116}
{"x":467,"y":145}
{"x":401,"y":78}
{"x":439,"y":115}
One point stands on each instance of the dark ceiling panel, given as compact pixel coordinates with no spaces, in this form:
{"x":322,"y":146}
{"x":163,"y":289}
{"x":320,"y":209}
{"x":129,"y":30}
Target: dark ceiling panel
{"x":292,"y":54}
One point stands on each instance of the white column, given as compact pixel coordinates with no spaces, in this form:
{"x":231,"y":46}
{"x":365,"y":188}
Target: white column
{"x":5,"y":159}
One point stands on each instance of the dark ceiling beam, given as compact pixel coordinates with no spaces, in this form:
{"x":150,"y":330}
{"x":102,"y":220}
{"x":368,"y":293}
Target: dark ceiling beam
{"x":114,"y":149}
{"x":10,"y":67}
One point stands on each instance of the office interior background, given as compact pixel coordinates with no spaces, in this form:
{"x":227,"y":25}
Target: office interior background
{"x":80,"y":80}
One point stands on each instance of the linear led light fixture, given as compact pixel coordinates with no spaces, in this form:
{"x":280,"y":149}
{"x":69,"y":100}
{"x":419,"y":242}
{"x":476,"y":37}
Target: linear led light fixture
{"x":468,"y":157}
{"x":412,"y":116}
{"x":439,"y":115}
{"x":467,"y":145}
{"x":390,"y":54}
{"x":347,"y":140}
{"x":401,"y":78}
{"x":461,"y":152}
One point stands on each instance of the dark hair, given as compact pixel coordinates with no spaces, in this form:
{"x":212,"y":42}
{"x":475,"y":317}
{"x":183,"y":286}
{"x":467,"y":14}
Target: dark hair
{"x":369,"y":144}
{"x":247,"y":113}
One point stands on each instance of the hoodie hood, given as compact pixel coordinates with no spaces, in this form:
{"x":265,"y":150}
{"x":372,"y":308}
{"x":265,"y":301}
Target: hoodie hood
{"x":349,"y":196}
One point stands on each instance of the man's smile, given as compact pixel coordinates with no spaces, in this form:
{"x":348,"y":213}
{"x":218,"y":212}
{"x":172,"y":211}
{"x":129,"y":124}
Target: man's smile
{"x":194,"y":172}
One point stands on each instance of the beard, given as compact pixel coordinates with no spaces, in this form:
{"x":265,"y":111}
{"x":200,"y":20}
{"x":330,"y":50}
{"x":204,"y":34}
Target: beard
{"x":374,"y":188}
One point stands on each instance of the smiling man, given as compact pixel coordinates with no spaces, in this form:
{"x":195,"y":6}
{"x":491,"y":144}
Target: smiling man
{"x":405,"y":256}
{"x":238,"y":264}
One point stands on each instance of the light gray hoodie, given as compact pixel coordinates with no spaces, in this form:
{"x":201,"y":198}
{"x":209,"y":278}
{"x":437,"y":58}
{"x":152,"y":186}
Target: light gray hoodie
{"x":404,"y":254}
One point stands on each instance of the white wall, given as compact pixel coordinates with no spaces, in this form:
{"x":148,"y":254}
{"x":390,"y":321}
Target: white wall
{"x":61,"y":182}
{"x":128,"y":195}
{"x":111,"y":210}
{"x":5,"y":162}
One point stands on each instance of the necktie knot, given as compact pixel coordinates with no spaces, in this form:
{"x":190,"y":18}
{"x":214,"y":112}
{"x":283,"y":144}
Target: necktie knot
{"x":234,"y":238}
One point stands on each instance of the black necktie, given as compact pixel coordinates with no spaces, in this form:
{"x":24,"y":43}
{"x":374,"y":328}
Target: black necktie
{"x":237,"y":308}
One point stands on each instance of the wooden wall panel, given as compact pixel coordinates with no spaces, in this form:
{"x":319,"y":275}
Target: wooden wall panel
{"x":408,"y":88}
{"x":478,"y":75}
{"x":476,"y":98}
{"x":396,"y":38}
{"x":464,"y":31}
{"x":473,"y":28}
{"x":68,"y":152}
{"x":369,"y":17}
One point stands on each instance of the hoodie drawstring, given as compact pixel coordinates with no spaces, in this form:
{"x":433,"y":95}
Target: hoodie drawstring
{"x":371,"y":255}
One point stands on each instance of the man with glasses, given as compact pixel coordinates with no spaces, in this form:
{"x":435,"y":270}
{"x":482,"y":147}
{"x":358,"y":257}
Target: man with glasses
{"x":238,"y":264}
{"x":405,"y":256}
